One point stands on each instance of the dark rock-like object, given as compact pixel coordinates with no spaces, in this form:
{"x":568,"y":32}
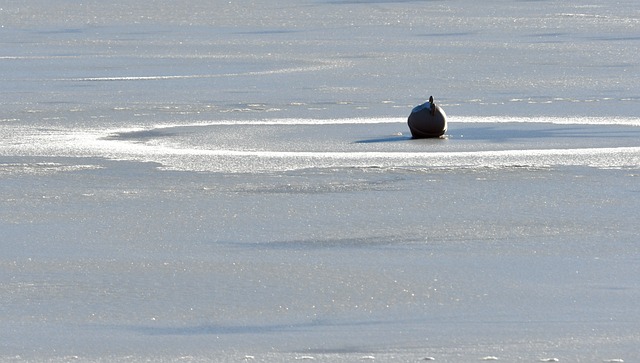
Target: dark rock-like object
{"x":427,"y":120}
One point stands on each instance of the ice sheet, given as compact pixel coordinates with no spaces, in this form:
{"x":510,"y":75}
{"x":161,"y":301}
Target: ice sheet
{"x":235,"y":181}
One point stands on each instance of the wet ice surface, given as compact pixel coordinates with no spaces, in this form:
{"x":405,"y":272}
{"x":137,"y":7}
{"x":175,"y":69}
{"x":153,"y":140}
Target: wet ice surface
{"x":219,"y":182}
{"x":275,"y":145}
{"x":319,"y":59}
{"x":494,"y":242}
{"x":127,"y":260}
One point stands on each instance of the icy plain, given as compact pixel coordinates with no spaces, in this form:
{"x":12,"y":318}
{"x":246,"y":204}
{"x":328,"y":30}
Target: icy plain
{"x":191,"y":181}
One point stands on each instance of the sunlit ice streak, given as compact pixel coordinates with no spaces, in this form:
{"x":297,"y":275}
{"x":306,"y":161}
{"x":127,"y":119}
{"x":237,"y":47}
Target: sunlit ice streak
{"x":628,"y":121}
{"x":172,"y":154}
{"x":176,"y":157}
{"x":286,"y":122}
{"x":315,"y":68}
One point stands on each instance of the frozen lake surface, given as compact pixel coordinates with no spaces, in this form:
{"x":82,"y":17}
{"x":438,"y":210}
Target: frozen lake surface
{"x":235,"y":181}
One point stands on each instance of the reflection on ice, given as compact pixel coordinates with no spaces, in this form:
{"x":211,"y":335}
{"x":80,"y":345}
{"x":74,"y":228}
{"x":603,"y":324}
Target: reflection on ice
{"x":290,"y":144}
{"x":275,"y":145}
{"x":314,"y":68}
{"x":318,"y":229}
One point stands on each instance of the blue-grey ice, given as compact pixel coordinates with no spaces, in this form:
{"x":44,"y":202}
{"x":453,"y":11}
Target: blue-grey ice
{"x":191,"y":181}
